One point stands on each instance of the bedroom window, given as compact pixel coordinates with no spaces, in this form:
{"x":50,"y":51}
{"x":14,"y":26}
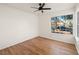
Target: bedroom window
{"x":62,"y":24}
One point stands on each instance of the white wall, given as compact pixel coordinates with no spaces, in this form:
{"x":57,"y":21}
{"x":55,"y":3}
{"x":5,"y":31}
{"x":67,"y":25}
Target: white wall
{"x":16,"y":26}
{"x":45,"y":27}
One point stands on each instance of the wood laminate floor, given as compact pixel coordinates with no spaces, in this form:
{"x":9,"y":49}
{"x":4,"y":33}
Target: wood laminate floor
{"x":40,"y":46}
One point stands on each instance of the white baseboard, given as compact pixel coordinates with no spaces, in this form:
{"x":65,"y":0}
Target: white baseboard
{"x":17,"y":42}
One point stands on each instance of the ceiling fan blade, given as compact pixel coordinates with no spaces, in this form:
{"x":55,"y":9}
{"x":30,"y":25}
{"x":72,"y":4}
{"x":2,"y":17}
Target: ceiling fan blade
{"x":36,"y":10}
{"x":46,"y":8}
{"x":43,"y":5}
{"x":40,"y":4}
{"x":34,"y":7}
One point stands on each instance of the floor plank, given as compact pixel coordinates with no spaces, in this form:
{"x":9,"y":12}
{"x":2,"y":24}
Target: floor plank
{"x":40,"y":46}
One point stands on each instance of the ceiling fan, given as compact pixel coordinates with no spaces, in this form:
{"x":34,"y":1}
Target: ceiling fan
{"x":41,"y":7}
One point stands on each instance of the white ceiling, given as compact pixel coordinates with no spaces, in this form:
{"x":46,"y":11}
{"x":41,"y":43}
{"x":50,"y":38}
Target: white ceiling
{"x":55,"y":6}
